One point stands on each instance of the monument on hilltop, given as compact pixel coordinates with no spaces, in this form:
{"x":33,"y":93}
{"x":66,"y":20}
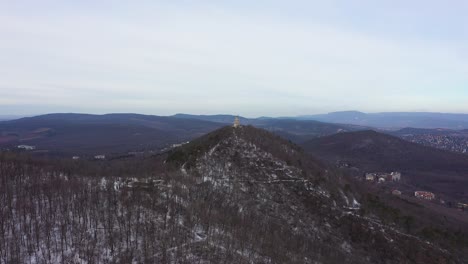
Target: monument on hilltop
{"x":236,"y":122}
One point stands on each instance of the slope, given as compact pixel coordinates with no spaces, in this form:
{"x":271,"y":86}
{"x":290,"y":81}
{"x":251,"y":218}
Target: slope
{"x":298,"y":210}
{"x":433,"y":169}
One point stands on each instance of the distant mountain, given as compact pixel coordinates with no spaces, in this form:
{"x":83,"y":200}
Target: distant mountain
{"x":394,"y":120}
{"x":9,"y":117}
{"x":225,"y":119}
{"x":425,"y":167}
{"x":302,"y":130}
{"x":94,"y":134}
{"x":295,"y":130}
{"x":337,"y":117}
{"x":111,"y":133}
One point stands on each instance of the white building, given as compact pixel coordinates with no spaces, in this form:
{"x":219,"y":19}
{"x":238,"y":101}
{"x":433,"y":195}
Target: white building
{"x":100,"y":157}
{"x":396,"y":176}
{"x":424,"y":195}
{"x":26,"y":147}
{"x":370,"y":176}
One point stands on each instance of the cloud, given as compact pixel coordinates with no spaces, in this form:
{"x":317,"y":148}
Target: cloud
{"x":198,"y":59}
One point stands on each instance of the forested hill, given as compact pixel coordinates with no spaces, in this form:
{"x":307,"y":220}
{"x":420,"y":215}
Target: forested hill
{"x":236,"y":195}
{"x":69,"y":134}
{"x":84,"y":134}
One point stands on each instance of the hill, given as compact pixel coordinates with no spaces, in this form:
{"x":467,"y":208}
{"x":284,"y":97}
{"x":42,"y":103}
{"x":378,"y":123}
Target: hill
{"x":425,"y":167}
{"x":96,"y":134}
{"x":446,"y":139}
{"x":235,"y":195}
{"x":426,"y":131}
{"x":261,"y":172}
{"x":85,"y":134}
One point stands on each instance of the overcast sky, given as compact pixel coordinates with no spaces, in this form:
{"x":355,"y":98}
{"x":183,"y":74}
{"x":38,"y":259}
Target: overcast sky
{"x":252,"y":58}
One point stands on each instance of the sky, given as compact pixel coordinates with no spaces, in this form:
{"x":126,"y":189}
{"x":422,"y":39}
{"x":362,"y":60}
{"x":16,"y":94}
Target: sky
{"x":253,"y":58}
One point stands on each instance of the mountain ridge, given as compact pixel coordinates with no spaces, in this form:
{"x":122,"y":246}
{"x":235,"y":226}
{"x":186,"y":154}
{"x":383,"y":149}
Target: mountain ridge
{"x":127,"y":132}
{"x":395,"y":120}
{"x":71,"y":133}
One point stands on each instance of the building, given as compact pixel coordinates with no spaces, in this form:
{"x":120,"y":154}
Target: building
{"x":370,"y":176}
{"x":462,"y":206}
{"x":396,"y":192}
{"x":383,"y":176}
{"x":236,"y":122}
{"x":26,"y":147}
{"x":100,"y":157}
{"x":424,"y":195}
{"x":396,"y":176}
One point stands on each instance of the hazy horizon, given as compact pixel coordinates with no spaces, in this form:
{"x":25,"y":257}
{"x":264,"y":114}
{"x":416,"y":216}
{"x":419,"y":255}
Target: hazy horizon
{"x":253,"y":59}
{"x":6,"y":116}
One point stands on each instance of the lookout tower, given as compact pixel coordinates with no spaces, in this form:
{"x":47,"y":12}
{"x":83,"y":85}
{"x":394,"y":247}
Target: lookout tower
{"x":236,"y":122}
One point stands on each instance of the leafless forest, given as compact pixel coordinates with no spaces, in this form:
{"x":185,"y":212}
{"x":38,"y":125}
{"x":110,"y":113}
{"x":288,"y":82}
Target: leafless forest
{"x":233,"y":196}
{"x":49,"y":216}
